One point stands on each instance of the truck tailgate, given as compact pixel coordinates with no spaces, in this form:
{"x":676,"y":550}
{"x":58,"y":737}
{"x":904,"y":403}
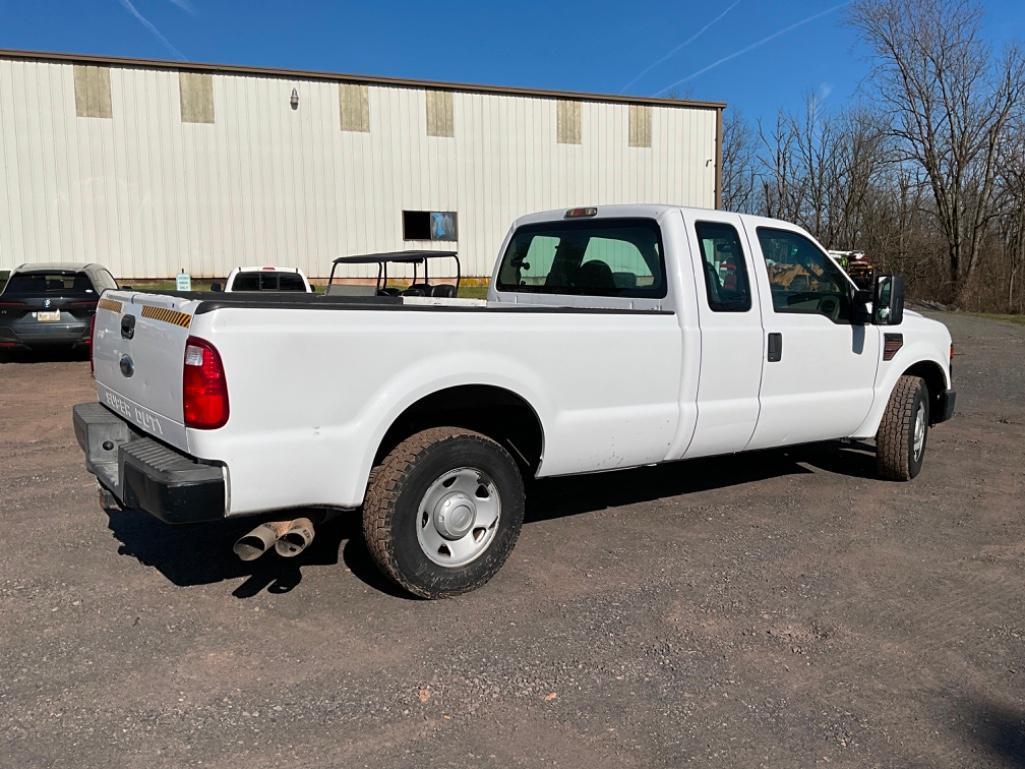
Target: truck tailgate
{"x":138,"y":355}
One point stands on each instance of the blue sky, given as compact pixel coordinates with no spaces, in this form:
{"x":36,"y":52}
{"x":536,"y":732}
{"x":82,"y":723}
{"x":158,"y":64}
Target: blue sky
{"x":776,"y":51}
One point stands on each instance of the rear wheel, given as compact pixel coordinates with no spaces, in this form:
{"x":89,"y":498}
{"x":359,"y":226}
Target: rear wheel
{"x":443,"y":511}
{"x":904,"y":430}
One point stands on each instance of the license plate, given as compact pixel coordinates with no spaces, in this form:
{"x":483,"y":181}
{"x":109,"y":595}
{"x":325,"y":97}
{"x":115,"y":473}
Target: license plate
{"x":48,"y":316}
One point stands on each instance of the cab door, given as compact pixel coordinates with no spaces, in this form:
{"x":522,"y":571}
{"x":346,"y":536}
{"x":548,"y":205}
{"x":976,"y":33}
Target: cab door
{"x":731,"y":333}
{"x":819,"y":367}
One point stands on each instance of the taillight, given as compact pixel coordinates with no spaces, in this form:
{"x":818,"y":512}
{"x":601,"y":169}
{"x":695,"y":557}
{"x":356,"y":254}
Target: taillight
{"x":204,"y":387}
{"x":92,"y":345}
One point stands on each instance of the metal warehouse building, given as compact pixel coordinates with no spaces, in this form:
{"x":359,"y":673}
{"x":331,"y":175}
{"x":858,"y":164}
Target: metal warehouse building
{"x":153,"y":166}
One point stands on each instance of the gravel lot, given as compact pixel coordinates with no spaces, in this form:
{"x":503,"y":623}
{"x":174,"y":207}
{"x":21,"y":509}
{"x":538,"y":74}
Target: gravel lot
{"x":783,"y":609}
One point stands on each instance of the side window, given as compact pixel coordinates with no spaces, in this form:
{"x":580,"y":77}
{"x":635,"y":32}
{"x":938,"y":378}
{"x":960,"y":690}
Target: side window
{"x":593,"y":257}
{"x":722,"y":261}
{"x":802,"y":277}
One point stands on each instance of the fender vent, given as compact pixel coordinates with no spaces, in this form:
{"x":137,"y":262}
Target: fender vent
{"x":891,"y":344}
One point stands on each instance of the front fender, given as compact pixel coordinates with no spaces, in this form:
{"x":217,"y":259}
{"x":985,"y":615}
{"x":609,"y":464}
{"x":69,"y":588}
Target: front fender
{"x":908,"y":356}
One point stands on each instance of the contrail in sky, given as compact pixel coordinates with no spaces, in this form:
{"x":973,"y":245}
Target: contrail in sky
{"x":130,"y":7}
{"x":682,"y":45}
{"x":753,"y":46}
{"x":185,"y":5}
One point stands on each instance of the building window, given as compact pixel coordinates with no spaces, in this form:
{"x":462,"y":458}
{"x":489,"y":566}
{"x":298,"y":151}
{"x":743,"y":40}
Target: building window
{"x":354,"y":107}
{"x":640,"y":126}
{"x":196,"y":93}
{"x":567,"y":122}
{"x":440,"y":119}
{"x":92,"y":91}
{"x":430,"y":225}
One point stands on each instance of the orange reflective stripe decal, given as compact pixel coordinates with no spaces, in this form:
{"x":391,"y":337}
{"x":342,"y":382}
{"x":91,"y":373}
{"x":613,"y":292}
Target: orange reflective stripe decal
{"x":182,"y":319}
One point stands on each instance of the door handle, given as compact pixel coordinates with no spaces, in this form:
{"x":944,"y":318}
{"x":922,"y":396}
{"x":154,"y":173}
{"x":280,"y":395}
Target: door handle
{"x":775,"y":347}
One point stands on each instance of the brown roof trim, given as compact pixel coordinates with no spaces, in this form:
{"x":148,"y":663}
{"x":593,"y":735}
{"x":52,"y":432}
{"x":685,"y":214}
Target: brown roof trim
{"x":718,"y":159}
{"x":233,"y":69}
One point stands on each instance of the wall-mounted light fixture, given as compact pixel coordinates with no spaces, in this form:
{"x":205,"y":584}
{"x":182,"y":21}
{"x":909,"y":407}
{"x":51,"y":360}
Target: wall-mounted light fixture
{"x":294,"y":101}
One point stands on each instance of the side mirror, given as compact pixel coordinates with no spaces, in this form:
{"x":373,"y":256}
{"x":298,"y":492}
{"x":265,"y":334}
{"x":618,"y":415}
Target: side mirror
{"x":215,"y":286}
{"x":888,"y":300}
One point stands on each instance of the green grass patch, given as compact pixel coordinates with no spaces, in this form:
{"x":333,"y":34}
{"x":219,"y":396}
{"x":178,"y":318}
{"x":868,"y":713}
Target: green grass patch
{"x":165,"y":285}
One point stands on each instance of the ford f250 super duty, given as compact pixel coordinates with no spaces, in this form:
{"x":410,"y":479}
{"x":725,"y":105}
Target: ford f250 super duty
{"x":611,"y":337}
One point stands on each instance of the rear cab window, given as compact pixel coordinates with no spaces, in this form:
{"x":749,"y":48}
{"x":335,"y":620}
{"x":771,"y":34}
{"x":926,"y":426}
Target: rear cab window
{"x":50,"y":283}
{"x":268,"y":281}
{"x":614,"y":257}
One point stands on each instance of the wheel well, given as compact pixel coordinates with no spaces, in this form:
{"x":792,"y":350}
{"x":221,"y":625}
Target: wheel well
{"x":935,"y":381}
{"x":493,"y":411}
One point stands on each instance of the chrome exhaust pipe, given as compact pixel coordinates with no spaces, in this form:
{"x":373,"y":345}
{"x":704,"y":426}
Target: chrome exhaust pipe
{"x":260,"y":540}
{"x":296,"y":539}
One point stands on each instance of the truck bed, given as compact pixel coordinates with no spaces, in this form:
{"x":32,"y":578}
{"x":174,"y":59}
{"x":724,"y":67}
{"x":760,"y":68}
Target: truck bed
{"x":322,"y":387}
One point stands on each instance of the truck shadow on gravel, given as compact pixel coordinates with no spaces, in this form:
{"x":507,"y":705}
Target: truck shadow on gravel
{"x":558,"y":497}
{"x":45,"y":355}
{"x":200,"y":555}
{"x":1001,"y":731}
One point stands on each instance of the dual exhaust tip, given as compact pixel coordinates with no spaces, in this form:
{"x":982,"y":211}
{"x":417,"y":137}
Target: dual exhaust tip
{"x":287,"y":538}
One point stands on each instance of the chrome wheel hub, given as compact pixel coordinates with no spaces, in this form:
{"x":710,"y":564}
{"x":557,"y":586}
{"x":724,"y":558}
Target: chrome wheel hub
{"x":919,"y":435}
{"x":458,"y":517}
{"x":455,"y":516}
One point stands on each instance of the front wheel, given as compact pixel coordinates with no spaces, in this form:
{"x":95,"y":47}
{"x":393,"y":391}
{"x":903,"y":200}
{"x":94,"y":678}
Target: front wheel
{"x":902,"y":434}
{"x":443,"y":511}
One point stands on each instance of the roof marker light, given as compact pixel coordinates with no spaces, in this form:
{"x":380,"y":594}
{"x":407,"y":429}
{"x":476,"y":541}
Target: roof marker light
{"x":576,"y":213}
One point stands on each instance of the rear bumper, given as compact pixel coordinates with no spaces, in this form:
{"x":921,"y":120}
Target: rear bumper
{"x":945,"y":410}
{"x":23,"y":334}
{"x":147,"y":475}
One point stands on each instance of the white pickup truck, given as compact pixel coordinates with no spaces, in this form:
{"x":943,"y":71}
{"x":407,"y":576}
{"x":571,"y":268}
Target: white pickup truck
{"x":611,"y":337}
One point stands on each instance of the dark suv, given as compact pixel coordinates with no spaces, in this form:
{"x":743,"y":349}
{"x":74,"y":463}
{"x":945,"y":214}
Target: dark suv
{"x":51,"y":304}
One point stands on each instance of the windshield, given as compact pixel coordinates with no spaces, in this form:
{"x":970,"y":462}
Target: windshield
{"x":594,"y":257}
{"x":268,"y":281}
{"x":49,"y":282}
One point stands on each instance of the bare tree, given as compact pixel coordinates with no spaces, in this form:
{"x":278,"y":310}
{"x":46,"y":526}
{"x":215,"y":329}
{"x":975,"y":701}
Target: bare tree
{"x":1011,"y":184}
{"x":818,"y":168}
{"x":949,"y":106}
{"x":738,"y":181}
{"x":782,"y":185}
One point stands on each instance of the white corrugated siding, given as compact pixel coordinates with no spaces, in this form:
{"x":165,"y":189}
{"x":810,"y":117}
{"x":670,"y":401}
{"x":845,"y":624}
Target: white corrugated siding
{"x":146,"y":194}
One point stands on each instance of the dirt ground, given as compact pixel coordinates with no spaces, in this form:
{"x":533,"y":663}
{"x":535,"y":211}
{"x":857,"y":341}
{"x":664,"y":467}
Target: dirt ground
{"x":783,"y":609}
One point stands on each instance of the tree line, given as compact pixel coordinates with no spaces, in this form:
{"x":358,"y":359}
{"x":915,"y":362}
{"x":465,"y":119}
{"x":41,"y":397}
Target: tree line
{"x":925,"y":173}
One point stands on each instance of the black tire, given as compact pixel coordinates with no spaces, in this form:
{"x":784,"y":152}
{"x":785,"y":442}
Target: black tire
{"x":895,"y":439}
{"x":391,"y":510}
